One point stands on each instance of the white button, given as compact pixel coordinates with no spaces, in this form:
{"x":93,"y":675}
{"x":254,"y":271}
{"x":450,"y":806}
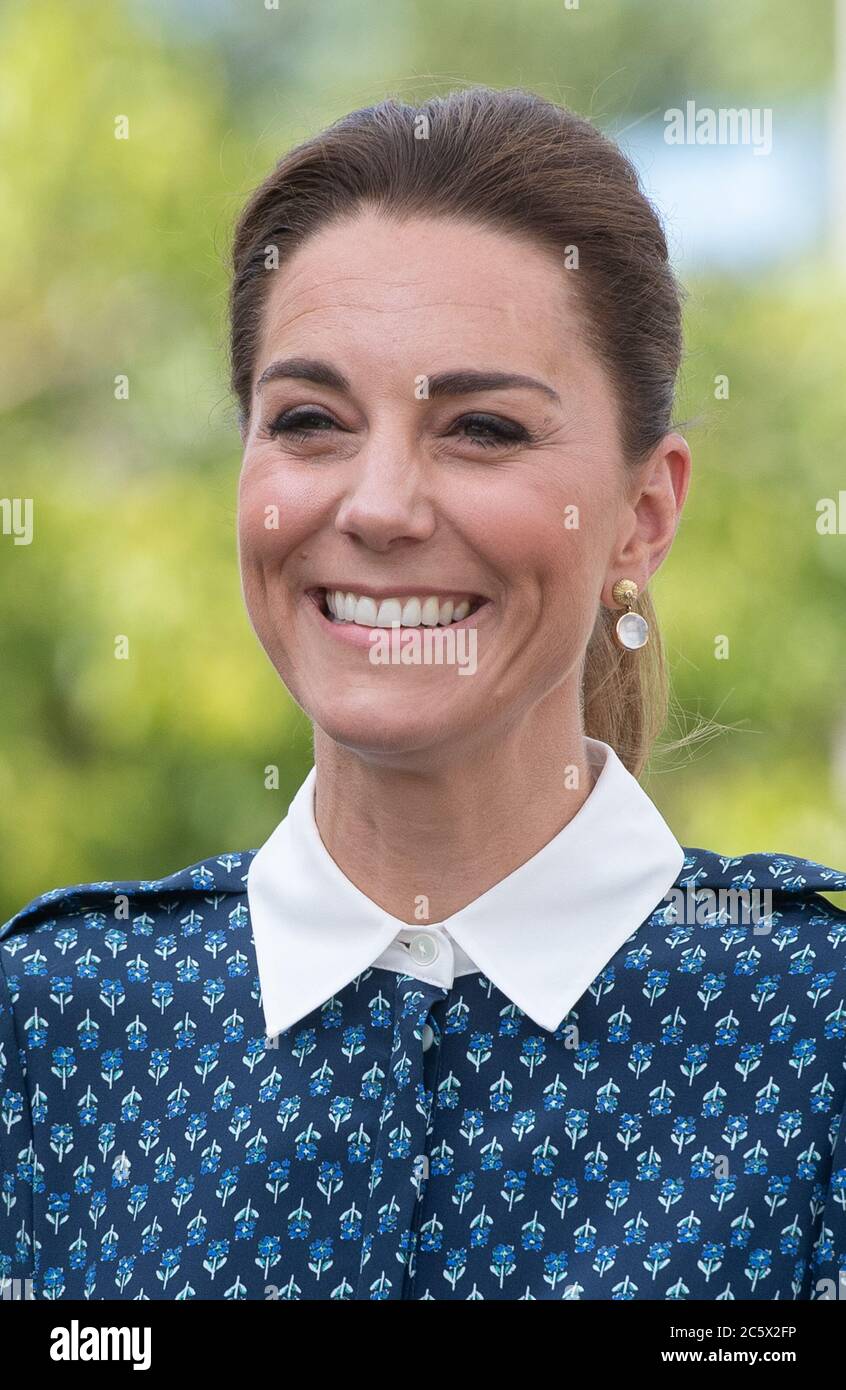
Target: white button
{"x":428,"y":1037}
{"x":423,"y":949}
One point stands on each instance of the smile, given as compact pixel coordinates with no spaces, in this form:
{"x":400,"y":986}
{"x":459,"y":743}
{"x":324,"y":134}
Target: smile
{"x":411,"y":610}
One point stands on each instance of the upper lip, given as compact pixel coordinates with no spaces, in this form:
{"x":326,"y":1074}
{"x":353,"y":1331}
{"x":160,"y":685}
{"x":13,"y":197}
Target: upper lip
{"x":400,"y":591}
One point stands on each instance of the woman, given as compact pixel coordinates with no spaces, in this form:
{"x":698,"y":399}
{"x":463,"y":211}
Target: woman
{"x":471,"y":1024}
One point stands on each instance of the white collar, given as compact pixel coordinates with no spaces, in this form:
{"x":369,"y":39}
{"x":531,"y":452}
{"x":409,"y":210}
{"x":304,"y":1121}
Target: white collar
{"x":541,"y":935}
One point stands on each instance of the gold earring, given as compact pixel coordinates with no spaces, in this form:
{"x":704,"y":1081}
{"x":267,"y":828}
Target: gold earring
{"x":632,"y":629}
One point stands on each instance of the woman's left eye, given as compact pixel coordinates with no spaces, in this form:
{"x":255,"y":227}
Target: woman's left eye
{"x":491,"y":431}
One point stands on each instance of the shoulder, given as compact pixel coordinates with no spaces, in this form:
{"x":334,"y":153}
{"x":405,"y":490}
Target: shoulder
{"x":774,"y":887}
{"x":785,"y":874}
{"x":755,"y":929}
{"x":130,"y":907}
{"x":71,"y":955}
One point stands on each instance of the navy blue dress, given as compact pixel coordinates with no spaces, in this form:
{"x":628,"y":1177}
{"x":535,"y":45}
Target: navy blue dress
{"x":680,"y":1135}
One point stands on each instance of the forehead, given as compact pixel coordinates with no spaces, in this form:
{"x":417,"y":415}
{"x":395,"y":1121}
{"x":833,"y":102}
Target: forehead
{"x":422,"y":293}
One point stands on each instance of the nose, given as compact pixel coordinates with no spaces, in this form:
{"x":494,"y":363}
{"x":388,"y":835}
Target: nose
{"x":386,"y":500}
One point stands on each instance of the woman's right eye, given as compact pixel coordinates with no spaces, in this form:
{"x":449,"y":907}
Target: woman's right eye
{"x":301,"y":422}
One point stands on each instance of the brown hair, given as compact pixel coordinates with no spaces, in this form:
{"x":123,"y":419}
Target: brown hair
{"x":512,"y":161}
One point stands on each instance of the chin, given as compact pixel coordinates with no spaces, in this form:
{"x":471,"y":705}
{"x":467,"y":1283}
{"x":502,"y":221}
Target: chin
{"x":392,"y":728}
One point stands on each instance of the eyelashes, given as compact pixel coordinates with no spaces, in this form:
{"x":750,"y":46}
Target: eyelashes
{"x":491,"y":431}
{"x":303,"y":423}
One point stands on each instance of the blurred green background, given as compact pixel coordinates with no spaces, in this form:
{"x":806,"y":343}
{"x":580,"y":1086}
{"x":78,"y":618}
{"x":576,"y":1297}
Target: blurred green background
{"x":114,"y":262}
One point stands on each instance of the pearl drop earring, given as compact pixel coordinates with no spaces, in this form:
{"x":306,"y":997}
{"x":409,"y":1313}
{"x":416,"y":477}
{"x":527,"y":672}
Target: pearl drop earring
{"x":632,"y":629}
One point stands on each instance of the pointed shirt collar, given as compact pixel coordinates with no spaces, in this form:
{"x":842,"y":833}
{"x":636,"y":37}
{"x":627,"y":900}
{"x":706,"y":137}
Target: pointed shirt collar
{"x":541,"y":935}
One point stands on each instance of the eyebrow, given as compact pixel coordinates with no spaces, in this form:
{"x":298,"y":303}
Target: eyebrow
{"x":304,"y":369}
{"x":461,"y":382}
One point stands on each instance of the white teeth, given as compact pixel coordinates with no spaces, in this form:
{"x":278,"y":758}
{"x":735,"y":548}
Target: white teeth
{"x":430,"y":612}
{"x":391,"y":612}
{"x":366,"y":612}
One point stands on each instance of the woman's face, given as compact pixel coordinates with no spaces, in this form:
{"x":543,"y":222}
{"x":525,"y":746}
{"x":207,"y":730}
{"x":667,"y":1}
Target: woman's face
{"x":433,"y":435}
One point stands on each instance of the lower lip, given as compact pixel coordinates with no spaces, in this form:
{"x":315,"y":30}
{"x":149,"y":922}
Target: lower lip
{"x":354,"y":635}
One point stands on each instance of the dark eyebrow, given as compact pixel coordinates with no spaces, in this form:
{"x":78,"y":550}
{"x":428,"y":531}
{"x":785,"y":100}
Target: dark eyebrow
{"x":465,"y":381}
{"x":458,"y":383}
{"x":304,"y":369}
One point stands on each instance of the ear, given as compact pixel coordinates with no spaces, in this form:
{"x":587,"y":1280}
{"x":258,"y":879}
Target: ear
{"x":656,"y":496}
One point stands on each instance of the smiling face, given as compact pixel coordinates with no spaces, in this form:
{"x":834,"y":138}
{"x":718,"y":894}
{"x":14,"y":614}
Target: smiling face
{"x":431,"y":443}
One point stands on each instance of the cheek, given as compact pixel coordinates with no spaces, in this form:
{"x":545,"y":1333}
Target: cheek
{"x":278,"y":508}
{"x":552,"y":539}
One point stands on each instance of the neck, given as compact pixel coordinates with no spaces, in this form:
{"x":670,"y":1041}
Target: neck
{"x":423,"y":842}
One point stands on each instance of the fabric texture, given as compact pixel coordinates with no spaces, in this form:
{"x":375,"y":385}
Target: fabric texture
{"x":678,"y":1135}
